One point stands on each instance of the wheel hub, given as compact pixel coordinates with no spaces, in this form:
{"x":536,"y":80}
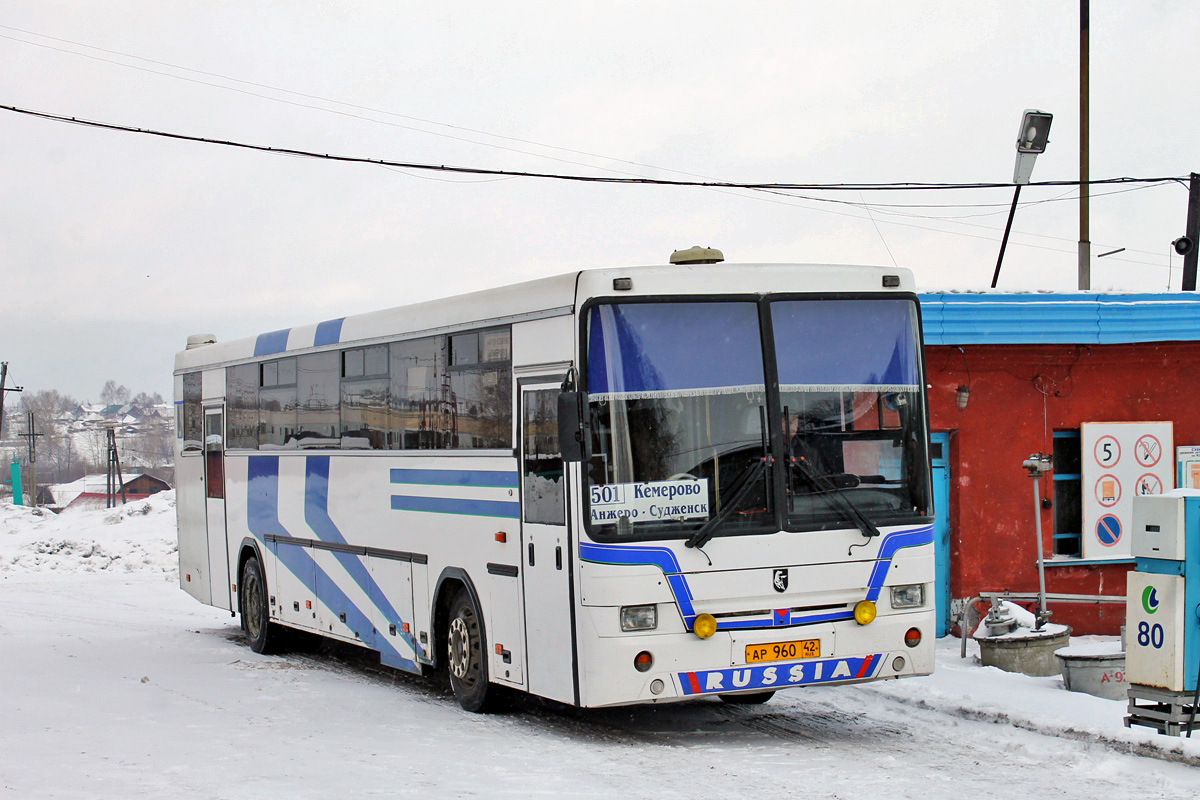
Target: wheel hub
{"x":460,"y":648}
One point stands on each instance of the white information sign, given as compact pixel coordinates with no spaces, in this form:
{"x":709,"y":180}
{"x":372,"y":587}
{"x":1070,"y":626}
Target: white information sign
{"x":1121,"y":460}
{"x":1188,"y":459}
{"x":653,"y":501}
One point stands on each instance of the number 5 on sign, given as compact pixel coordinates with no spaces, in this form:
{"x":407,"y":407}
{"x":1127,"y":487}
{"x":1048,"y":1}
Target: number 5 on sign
{"x":1107,"y":451}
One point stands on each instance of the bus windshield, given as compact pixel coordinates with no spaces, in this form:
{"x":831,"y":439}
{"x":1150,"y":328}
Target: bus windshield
{"x":678,"y":417}
{"x":851,"y":410}
{"x":686,"y":437}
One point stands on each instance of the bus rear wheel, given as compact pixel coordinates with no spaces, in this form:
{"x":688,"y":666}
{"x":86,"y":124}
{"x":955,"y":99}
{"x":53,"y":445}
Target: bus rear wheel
{"x":465,"y":655}
{"x":749,"y":699}
{"x":264,"y":636}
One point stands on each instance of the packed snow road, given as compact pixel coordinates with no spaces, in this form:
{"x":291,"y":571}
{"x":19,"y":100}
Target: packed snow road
{"x":115,"y":683}
{"x":122,"y":686}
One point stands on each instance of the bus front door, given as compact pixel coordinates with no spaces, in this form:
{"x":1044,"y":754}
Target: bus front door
{"x":214,"y":507}
{"x":545,"y":547}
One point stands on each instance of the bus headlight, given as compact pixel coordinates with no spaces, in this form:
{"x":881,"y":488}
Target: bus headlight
{"x":909,"y":596}
{"x":864,"y":612}
{"x":639,"y":618}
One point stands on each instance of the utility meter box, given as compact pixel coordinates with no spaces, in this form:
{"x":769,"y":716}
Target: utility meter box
{"x":1162,"y":605}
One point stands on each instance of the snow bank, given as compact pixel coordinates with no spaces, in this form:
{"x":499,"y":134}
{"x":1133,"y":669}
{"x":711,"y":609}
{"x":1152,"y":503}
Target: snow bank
{"x":136,"y":537}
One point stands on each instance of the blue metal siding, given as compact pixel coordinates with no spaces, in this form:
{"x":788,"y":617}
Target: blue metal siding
{"x":1037,"y":318}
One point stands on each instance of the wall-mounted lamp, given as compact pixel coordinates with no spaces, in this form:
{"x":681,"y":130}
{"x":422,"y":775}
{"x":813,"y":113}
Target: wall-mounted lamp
{"x":964,"y":390}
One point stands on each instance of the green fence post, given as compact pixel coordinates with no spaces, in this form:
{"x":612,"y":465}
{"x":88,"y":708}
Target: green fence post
{"x":18,"y":498}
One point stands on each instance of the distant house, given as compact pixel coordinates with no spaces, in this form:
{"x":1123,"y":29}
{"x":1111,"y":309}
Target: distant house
{"x":90,"y":491}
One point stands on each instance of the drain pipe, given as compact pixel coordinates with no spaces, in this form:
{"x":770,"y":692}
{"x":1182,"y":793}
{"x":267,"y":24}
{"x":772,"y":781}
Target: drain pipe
{"x":1038,"y":465}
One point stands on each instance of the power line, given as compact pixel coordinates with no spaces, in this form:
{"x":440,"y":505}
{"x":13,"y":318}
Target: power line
{"x":858,"y":187}
{"x":334,"y":102}
{"x":882,"y":208}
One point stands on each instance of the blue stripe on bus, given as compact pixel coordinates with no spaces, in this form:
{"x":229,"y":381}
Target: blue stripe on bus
{"x":662,"y":557}
{"x":887,"y":548}
{"x":456,"y":477}
{"x":271,"y":343}
{"x":316,"y":514}
{"x":329,"y":332}
{"x":262,"y":515}
{"x":665,"y":559}
{"x":450,"y":505}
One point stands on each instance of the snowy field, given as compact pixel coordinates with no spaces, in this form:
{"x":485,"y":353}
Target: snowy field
{"x":116,"y":684}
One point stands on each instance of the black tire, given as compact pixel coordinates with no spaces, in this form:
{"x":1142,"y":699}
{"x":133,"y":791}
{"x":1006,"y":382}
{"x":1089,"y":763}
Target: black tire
{"x":466,"y":660}
{"x":264,"y":636}
{"x":747,"y":699}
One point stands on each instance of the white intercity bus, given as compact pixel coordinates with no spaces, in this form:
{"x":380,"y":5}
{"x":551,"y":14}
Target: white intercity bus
{"x":606,"y":487}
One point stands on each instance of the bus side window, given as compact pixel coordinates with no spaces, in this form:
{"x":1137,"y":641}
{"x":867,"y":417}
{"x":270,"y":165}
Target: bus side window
{"x":193,"y":414}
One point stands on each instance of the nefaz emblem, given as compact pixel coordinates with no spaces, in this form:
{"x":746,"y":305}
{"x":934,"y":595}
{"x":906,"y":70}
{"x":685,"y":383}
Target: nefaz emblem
{"x":780,"y":580}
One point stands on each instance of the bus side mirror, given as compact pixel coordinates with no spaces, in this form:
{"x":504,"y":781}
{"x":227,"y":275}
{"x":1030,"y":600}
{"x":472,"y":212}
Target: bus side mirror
{"x":570,"y":431}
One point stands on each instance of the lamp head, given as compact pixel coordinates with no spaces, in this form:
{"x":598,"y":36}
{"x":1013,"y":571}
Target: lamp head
{"x":1035,"y":131}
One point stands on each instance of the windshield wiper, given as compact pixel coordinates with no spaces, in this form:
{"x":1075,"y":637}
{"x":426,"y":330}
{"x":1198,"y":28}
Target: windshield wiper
{"x":749,"y":478}
{"x":832,"y":492}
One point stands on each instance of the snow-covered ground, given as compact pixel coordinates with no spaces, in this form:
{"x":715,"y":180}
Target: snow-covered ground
{"x":114,"y":683}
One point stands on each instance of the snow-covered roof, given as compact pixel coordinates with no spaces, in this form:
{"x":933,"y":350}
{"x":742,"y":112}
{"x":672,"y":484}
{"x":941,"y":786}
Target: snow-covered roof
{"x":64,"y":493}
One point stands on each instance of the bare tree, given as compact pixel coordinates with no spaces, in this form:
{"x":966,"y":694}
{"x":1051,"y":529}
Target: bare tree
{"x":112,"y":394}
{"x":51,"y":414}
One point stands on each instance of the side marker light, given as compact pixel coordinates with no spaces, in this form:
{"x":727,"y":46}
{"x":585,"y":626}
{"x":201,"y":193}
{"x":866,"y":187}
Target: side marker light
{"x":864,"y":612}
{"x":704,"y":626}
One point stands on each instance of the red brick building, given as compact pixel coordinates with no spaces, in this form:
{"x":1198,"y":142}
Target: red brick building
{"x":1036,"y":367}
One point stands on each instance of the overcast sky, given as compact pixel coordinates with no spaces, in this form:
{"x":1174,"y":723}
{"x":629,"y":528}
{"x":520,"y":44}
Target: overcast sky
{"x":115,"y":246}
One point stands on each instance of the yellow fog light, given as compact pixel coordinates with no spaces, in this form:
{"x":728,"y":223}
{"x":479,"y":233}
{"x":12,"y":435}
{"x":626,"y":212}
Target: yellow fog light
{"x":704,"y":626}
{"x":864,"y":612}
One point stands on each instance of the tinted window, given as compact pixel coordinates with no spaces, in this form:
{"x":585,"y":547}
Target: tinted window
{"x":277,"y":404}
{"x":481,"y":390}
{"x":318,"y":394}
{"x":421,"y":403}
{"x":241,"y":398}
{"x":193,"y":414}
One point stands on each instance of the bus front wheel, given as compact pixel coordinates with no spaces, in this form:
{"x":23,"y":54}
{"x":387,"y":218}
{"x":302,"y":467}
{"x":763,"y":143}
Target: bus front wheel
{"x":263,"y":635}
{"x":465,"y":655}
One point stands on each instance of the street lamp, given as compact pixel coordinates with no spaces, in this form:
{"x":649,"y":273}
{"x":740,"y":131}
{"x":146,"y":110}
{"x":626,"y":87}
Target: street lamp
{"x":1032,"y":138}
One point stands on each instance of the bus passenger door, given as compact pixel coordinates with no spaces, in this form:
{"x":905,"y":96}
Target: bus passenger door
{"x":214,"y":506}
{"x":545,"y":547}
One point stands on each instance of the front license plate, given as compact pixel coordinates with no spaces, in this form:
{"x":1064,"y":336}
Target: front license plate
{"x":779,"y":651}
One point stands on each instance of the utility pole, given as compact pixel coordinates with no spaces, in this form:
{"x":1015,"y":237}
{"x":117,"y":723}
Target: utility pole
{"x":3,"y":378}
{"x":32,"y":435}
{"x":115,"y":481}
{"x":1085,"y":246}
{"x":1187,"y":244}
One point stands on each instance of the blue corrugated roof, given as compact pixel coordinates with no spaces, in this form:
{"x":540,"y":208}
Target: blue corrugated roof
{"x":1077,"y":318}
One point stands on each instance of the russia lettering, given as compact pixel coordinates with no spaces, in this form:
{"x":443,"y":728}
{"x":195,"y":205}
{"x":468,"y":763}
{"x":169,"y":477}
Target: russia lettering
{"x":779,"y":675}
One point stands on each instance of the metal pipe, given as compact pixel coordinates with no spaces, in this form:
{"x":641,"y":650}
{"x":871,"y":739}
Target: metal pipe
{"x":1085,"y":245}
{"x":1041,"y":562}
{"x":1004,"y":242}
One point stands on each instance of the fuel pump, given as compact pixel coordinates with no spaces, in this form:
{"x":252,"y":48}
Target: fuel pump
{"x":1162,"y":612}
